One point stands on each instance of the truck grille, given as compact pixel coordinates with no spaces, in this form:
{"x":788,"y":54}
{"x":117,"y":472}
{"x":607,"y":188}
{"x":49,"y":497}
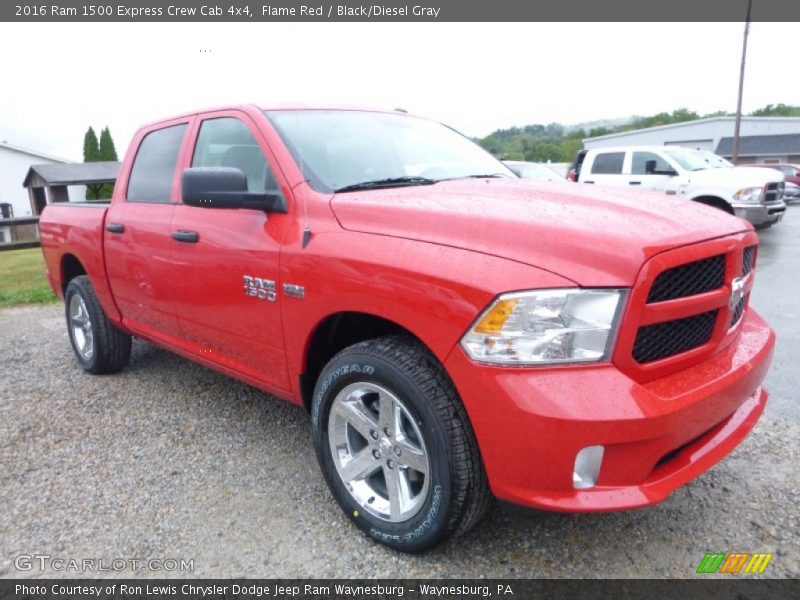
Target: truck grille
{"x":654,"y":342}
{"x":747,"y":259}
{"x":773,"y":192}
{"x":679,"y":310}
{"x":689,"y":280}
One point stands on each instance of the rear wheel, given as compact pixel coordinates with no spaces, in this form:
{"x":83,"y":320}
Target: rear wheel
{"x":99,"y":346}
{"x":395,"y":445}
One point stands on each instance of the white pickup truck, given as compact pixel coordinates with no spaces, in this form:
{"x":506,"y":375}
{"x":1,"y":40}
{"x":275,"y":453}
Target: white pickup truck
{"x":750,"y":193}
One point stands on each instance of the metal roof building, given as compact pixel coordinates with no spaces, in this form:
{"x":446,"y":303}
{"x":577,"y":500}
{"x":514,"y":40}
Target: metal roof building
{"x":763,"y":139}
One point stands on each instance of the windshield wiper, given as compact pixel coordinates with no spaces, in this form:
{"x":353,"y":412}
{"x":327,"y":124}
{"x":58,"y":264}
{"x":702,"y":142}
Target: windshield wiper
{"x":388,"y":182}
{"x":486,"y":176}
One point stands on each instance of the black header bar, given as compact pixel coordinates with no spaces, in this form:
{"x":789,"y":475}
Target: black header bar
{"x":396,"y":11}
{"x":709,"y":587}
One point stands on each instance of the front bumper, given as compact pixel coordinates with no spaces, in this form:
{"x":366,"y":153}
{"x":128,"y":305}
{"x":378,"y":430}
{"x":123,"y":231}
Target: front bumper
{"x":761,"y":214}
{"x":531,"y":423}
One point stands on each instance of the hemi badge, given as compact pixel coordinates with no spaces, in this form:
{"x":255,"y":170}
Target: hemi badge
{"x":295,"y":291}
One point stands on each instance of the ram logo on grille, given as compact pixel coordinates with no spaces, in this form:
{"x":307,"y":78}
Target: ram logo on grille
{"x":737,"y":292}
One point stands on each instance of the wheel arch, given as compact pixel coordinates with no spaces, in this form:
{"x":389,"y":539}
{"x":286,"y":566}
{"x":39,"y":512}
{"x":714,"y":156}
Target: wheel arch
{"x":71,"y":267}
{"x":715,"y":202}
{"x":336,"y":332}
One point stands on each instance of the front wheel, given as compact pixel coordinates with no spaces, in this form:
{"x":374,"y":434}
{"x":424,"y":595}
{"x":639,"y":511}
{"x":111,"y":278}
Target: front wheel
{"x":99,"y":346}
{"x":395,"y":445}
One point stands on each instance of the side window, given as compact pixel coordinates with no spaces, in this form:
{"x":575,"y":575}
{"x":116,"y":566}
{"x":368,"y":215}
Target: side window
{"x":154,"y":165}
{"x":228,"y":142}
{"x":640,"y":159}
{"x":787,"y":171}
{"x":608,"y":163}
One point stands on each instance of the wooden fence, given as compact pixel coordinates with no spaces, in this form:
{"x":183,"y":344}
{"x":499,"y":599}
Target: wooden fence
{"x":19,"y":233}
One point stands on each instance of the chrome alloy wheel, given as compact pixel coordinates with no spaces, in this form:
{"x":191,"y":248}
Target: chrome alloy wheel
{"x":379,"y":451}
{"x":81,"y":327}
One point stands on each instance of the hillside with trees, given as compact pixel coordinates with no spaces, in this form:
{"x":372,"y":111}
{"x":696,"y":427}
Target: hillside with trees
{"x":559,"y":143}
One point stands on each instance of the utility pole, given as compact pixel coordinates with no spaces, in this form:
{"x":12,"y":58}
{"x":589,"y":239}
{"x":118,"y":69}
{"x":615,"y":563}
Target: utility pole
{"x":741,"y":86}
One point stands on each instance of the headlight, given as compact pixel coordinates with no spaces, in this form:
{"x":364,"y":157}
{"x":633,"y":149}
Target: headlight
{"x":751,"y":195}
{"x":545,"y":326}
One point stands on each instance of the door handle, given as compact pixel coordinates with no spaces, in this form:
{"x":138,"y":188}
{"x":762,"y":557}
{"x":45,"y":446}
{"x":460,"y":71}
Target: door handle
{"x":187,"y":237}
{"x":634,"y":183}
{"x":115,"y":227}
{"x":588,"y":182}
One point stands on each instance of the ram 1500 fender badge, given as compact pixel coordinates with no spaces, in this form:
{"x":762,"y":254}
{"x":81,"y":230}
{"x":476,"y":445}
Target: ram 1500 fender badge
{"x":263,"y":289}
{"x":295,"y":291}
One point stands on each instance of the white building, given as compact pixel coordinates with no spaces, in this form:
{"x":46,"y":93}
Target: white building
{"x":14,"y":164}
{"x":762,"y":139}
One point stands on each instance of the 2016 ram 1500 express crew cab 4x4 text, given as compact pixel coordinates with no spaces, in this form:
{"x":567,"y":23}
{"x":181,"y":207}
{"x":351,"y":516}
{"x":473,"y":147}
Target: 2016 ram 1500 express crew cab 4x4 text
{"x":455,"y":333}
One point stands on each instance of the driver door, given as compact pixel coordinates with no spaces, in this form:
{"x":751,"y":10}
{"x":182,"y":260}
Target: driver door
{"x":656,"y":182}
{"x":219,"y":249}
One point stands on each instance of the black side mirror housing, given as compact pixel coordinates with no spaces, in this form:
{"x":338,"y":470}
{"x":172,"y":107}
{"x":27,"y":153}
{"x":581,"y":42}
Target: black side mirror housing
{"x":650,"y":169}
{"x":225,"y":187}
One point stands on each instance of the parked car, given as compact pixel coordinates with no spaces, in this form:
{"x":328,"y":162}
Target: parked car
{"x":750,"y":193}
{"x":455,"y":333}
{"x":575,"y":168}
{"x":790,"y":172}
{"x":791,"y":193}
{"x":534,"y":171}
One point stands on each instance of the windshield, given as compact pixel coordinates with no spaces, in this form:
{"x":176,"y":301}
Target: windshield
{"x":338,"y":149}
{"x":688,"y":159}
{"x":534,"y":171}
{"x":714,"y":161}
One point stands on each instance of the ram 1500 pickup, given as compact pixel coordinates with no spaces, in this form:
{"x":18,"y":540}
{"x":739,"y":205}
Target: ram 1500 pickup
{"x":456,"y":334}
{"x":747,"y":192}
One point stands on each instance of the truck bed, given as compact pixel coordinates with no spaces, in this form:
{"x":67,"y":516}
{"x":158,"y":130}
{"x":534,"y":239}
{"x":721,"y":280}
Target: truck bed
{"x":72,"y":237}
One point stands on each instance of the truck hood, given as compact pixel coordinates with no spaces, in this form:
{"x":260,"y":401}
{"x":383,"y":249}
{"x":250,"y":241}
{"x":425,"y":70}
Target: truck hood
{"x":736,"y":177}
{"x":592,"y":236}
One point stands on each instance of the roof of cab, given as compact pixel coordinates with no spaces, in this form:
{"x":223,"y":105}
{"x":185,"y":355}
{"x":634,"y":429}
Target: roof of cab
{"x":274,"y":107}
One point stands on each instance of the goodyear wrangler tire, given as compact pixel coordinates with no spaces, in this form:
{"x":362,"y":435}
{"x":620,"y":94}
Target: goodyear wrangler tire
{"x":99,"y":346}
{"x":395,"y":445}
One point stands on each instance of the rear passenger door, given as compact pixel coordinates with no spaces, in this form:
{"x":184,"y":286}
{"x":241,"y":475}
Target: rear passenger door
{"x":225,"y":320}
{"x":605,"y":169}
{"x":137,"y":238}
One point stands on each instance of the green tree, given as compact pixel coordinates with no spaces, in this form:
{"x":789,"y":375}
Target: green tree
{"x":91,"y":153}
{"x":107,"y":153}
{"x":107,"y":149}
{"x":777,"y":110}
{"x":91,"y":148}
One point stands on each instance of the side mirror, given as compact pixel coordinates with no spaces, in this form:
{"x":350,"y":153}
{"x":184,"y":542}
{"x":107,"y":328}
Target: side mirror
{"x":225,"y":187}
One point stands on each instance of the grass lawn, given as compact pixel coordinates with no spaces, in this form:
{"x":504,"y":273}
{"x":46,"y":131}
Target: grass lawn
{"x":22,"y":278}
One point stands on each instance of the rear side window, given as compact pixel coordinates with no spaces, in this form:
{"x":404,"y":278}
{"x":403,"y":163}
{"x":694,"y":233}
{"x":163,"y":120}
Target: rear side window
{"x":154,"y":166}
{"x":608,"y":163}
{"x":639,"y":163}
{"x":228,"y":142}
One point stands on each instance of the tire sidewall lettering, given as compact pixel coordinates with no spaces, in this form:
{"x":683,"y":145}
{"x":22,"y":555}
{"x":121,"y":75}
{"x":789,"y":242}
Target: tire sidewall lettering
{"x":421,"y":530}
{"x":333,"y":377}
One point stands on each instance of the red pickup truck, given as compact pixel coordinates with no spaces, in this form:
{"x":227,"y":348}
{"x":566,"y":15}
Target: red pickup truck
{"x":456,"y":334}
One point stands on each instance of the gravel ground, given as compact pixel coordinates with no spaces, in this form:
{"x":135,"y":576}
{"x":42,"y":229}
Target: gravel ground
{"x":169,"y":459}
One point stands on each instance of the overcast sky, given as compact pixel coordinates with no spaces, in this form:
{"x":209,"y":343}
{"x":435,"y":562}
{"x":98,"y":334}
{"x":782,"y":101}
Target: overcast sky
{"x":57,"y":79}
